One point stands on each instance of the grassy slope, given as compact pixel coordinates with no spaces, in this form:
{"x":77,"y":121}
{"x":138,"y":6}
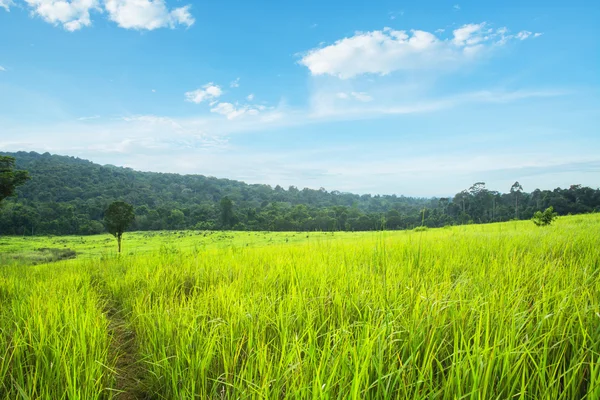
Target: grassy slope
{"x":486,"y":311}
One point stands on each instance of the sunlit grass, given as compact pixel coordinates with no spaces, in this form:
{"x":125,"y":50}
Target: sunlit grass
{"x":53,"y":336}
{"x":497,"y":311}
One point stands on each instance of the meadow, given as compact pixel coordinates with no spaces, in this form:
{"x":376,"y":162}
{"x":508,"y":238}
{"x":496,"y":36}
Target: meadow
{"x":497,"y":311}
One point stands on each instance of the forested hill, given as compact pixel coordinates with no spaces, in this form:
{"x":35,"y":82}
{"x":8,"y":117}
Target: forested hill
{"x":67,"y":195}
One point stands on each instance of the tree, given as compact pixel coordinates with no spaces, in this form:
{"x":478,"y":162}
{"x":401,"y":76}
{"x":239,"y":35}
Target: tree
{"x":9,"y":178}
{"x":117,"y":219}
{"x":481,"y":201}
{"x":67,"y":195}
{"x":226,"y":212}
{"x":544,"y":218}
{"x":515,"y":189}
{"x":176,"y":219}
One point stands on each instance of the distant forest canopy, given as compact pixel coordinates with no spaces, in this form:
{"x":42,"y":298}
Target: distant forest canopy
{"x":68,"y":196}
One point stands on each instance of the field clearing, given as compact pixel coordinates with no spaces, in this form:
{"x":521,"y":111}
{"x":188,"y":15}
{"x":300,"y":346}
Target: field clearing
{"x":495,"y":311}
{"x":23,"y":249}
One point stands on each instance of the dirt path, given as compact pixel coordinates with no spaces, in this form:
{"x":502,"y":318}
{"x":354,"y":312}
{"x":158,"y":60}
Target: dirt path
{"x":130,"y":373}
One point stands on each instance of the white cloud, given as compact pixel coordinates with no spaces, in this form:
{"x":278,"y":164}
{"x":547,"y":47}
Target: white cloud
{"x":147,"y":14}
{"x":456,"y":7}
{"x":6,"y":4}
{"x":468,"y":34}
{"x":72,"y":15}
{"x":360,"y":96}
{"x":526,"y":34}
{"x":130,"y":14}
{"x":234,"y":84}
{"x":2,"y":69}
{"x":523,"y":35}
{"x":182,"y":15}
{"x":385,"y":51}
{"x":232,"y":111}
{"x":210,"y":91}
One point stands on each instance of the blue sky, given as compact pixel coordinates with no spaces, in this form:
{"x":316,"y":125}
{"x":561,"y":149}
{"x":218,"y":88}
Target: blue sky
{"x":414,"y":98}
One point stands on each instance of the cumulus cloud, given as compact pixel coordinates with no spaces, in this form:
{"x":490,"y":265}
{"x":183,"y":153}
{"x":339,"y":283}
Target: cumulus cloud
{"x":211,"y":92}
{"x":235,"y":83}
{"x":6,"y":4}
{"x":208,"y":92}
{"x":72,"y":15}
{"x":2,"y":69}
{"x":147,"y":14}
{"x":388,"y":50}
{"x":469,"y":34}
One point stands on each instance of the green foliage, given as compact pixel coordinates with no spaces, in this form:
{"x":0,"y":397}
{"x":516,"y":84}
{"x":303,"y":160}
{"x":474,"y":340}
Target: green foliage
{"x":9,"y":178}
{"x":544,"y":218}
{"x":41,"y":255}
{"x":117,"y":218}
{"x":498,"y":311}
{"x":227,"y":216}
{"x":68,"y":196}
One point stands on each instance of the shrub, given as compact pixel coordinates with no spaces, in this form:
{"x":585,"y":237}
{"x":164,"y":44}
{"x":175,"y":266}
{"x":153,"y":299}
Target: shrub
{"x":544,"y":218}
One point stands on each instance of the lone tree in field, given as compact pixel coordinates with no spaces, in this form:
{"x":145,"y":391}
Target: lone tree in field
{"x":9,"y":178}
{"x":544,"y":218}
{"x":117,"y":218}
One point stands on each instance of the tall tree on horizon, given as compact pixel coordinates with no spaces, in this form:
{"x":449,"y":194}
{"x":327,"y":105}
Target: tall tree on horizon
{"x":516,"y":189}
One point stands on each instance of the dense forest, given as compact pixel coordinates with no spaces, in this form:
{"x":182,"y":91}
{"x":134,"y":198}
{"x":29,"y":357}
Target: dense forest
{"x":68,"y":195}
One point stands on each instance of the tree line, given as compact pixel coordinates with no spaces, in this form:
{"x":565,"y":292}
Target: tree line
{"x":67,"y":195}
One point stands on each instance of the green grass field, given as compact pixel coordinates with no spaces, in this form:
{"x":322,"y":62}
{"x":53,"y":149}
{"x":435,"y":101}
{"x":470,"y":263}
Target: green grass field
{"x":500,"y":311}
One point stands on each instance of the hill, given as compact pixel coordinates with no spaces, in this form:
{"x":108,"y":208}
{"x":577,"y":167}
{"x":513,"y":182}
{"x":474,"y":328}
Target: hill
{"x":68,"y":195}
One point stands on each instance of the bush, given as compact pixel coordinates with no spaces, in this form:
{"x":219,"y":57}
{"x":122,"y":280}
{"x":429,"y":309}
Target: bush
{"x":544,"y":218}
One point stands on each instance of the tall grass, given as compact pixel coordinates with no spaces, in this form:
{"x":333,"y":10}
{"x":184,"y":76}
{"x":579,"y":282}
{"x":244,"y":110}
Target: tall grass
{"x":53,"y":336}
{"x":479,"y":312}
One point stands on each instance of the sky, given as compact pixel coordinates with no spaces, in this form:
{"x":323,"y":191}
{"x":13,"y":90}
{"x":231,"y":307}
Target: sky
{"x":383,"y":97}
